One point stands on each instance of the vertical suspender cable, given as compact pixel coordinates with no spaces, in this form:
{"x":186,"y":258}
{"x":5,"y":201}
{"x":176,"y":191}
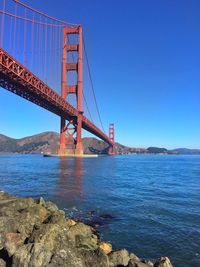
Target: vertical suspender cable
{"x":50,"y":55}
{"x":35,"y":49}
{"x":15,"y":26}
{"x":11,"y":33}
{"x":45,"y":52}
{"x":59,"y":58}
{"x":24,"y":52}
{"x":2,"y":23}
{"x":32,"y":45}
{"x":54,"y":56}
{"x":39,"y":54}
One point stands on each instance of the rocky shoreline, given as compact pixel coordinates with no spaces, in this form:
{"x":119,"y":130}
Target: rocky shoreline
{"x":35,"y":233}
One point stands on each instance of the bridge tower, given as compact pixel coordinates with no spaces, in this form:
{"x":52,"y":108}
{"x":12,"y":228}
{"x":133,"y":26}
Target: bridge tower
{"x":70,"y":133}
{"x":111,"y":150}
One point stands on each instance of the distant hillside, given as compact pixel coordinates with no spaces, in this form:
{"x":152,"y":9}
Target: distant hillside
{"x":186,"y":151}
{"x":44,"y":142}
{"x":93,"y":145}
{"x":121,"y":149}
{"x":48,"y":142}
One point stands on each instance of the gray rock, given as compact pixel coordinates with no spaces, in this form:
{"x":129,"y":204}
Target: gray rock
{"x":87,"y":242}
{"x":22,"y":256}
{"x":79,"y":230}
{"x":65,"y":258}
{"x":163,"y":262}
{"x":149,"y":263}
{"x":134,"y":257}
{"x":119,"y":257}
{"x":135,"y":263}
{"x":50,"y":206}
{"x":2,"y":263}
{"x":13,"y":241}
{"x":94,"y":258}
{"x":40,"y":201}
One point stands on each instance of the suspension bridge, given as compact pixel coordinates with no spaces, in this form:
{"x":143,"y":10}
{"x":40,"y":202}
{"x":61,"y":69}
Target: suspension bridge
{"x":42,"y":60}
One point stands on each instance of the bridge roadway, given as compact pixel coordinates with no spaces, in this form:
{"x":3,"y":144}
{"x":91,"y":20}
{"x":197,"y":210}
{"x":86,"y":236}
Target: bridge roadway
{"x":19,"y":80}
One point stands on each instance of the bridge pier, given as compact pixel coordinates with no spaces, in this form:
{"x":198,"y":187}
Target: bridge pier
{"x":71,"y":133}
{"x":111,"y":150}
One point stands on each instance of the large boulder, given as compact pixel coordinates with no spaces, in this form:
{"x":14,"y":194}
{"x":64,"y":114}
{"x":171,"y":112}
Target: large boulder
{"x":134,"y":263}
{"x":95,"y":258}
{"x":163,"y":262}
{"x":2,"y":263}
{"x":105,"y":247}
{"x":119,"y":257}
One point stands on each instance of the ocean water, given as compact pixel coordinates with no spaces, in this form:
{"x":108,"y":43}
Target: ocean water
{"x":153,"y":200}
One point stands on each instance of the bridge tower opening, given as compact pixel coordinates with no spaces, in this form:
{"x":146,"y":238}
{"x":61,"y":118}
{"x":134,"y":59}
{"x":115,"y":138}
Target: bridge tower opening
{"x":70,"y":133}
{"x":111,"y":150}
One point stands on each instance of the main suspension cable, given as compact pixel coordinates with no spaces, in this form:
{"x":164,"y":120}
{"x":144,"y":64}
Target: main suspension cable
{"x":87,"y":107}
{"x":92,"y":84}
{"x":29,"y":20}
{"x":45,"y":15}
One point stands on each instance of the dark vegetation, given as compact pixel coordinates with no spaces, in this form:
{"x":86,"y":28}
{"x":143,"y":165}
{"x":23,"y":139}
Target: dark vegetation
{"x":156,"y":150}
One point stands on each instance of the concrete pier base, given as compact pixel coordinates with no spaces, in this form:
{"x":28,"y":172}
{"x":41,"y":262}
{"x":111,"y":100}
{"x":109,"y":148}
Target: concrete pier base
{"x":72,"y":155}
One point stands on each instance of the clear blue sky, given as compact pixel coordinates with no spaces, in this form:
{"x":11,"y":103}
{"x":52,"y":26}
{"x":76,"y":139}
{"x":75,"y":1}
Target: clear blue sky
{"x":145,"y":59}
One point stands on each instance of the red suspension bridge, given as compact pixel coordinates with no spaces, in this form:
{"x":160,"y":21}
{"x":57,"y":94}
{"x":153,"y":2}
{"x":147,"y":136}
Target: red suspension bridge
{"x":38,"y":53}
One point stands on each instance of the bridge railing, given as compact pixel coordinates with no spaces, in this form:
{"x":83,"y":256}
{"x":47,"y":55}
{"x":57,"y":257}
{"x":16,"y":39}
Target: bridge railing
{"x":22,"y":75}
{"x":38,"y":92}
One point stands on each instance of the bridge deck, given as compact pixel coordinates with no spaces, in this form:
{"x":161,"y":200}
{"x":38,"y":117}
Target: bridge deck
{"x":19,"y":80}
